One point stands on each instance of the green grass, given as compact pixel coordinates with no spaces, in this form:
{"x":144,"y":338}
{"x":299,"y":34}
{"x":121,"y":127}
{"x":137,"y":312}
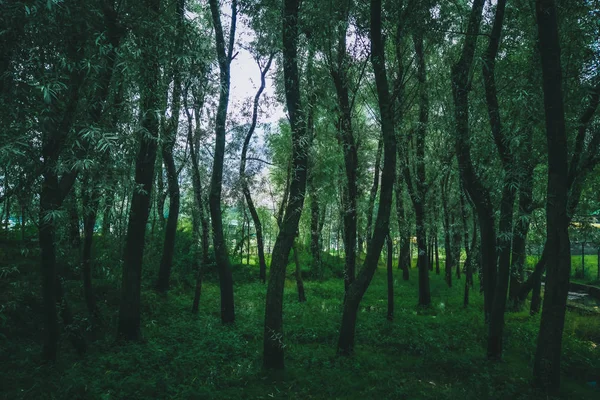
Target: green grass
{"x":588,"y":274}
{"x":436,"y":353}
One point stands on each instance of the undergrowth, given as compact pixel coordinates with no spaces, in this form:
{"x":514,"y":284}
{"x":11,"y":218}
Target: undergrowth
{"x":437,"y":353}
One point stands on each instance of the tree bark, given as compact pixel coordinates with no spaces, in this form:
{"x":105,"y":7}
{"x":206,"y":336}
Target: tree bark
{"x":166,"y":262}
{"x":522,"y":226}
{"x":244,"y":179}
{"x":273,"y":333}
{"x":315,"y":233}
{"x":461,"y":86}
{"x":52,"y":194}
{"x":546,"y":369}
{"x":448,"y":250}
{"x":129,"y":311}
{"x":73,"y":211}
{"x":358,"y":288}
{"x":418,"y":191}
{"x":339,"y":74}
{"x":220,"y":246}
{"x":373,"y":193}
{"x":404,"y":256}
{"x":298,"y":274}
{"x":199,"y":202}
{"x":496,"y":327}
{"x":91,"y":202}
{"x":390,"y":279}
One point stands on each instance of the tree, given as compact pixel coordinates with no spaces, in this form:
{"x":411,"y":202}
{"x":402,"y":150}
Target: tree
{"x":546,"y":369}
{"x":273,"y":334}
{"x":244,"y":179}
{"x":172,"y":125}
{"x":357,"y":289}
{"x":129,"y":311}
{"x":461,"y":85}
{"x":224,"y":56}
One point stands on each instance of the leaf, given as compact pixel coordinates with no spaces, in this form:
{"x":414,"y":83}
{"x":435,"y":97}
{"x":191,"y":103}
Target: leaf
{"x":46,"y":93}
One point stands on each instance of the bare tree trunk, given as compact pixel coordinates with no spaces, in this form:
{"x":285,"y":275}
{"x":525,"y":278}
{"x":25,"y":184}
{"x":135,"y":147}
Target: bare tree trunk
{"x":373,"y":193}
{"x":404,"y":256}
{"x":200,"y":204}
{"x":461,"y":86}
{"x":129,"y":311}
{"x":172,"y":126}
{"x":273,"y":333}
{"x":339,"y":74}
{"x":356,"y":291}
{"x":298,"y":274}
{"x":244,"y":179}
{"x":390,"y":279}
{"x":546,"y":369}
{"x":224,"y":56}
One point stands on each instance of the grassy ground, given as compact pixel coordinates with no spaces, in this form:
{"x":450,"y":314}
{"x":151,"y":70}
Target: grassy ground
{"x":588,"y":274}
{"x":436,"y":353}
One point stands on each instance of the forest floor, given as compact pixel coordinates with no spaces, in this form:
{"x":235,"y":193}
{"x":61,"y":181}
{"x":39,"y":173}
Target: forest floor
{"x":433,"y":353}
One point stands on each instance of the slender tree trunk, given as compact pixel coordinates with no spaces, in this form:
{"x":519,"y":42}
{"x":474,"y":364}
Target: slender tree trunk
{"x":546,"y":369}
{"x":461,"y":86}
{"x":496,"y":327}
{"x":419,"y":190}
{"x":129,"y":311}
{"x":315,"y":235}
{"x":521,"y":228}
{"x":216,"y":182}
{"x":340,"y":78}
{"x":52,"y":195}
{"x":358,"y":288}
{"x":298,"y":274}
{"x":160,"y":195}
{"x":244,"y":179}
{"x":373,"y":193}
{"x":72,"y":209}
{"x":22,"y":208}
{"x":456,"y":247}
{"x":91,"y":202}
{"x":404,"y":256}
{"x":536,"y":295}
{"x":7,"y":205}
{"x":47,"y":232}
{"x":390,"y":279}
{"x":449,"y":261}
{"x":273,"y":333}
{"x":437,"y":255}
{"x":200,"y":206}
{"x":172,"y":126}
{"x":468,"y":248}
